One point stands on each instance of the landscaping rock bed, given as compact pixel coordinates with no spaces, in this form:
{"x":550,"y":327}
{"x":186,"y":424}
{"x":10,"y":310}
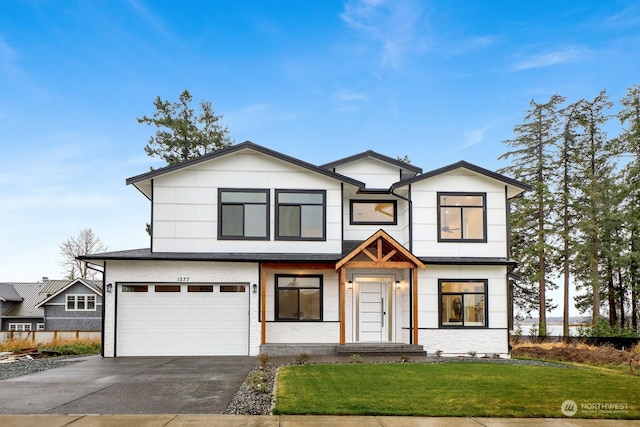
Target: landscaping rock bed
{"x":25,"y":367}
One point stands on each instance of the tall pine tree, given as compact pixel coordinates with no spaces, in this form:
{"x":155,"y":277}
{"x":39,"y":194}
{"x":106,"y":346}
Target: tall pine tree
{"x":531,"y":225}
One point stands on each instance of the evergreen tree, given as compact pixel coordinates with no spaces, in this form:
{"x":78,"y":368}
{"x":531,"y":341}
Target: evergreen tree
{"x":183,"y":134}
{"x":629,"y":143}
{"x":565,"y":210}
{"x":595,"y":170}
{"x":531,"y":226}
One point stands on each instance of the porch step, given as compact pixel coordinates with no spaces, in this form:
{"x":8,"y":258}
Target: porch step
{"x":380,"y":349}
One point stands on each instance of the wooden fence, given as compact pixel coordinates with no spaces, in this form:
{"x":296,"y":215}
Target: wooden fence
{"x":48,"y":336}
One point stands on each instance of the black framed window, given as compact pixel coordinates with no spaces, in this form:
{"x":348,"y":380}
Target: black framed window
{"x":298,"y":298}
{"x":462,"y":217}
{"x":243,"y":214}
{"x":377,"y":212}
{"x":463,"y":303}
{"x":300,"y":215}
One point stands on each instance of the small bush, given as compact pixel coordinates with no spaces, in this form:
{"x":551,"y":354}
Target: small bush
{"x":258,"y":381}
{"x":405,"y":358}
{"x":438,"y":353}
{"x":355,"y":358}
{"x":263,"y":360}
{"x":302,"y":359}
{"x":472,"y":353}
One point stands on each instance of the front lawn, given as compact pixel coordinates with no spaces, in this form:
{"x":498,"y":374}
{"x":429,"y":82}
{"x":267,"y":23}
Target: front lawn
{"x":455,"y":389}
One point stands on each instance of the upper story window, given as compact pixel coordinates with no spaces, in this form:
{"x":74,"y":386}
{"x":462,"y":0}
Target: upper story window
{"x":376,"y":212}
{"x":243,"y":214}
{"x":462,"y":217}
{"x":81,"y":303}
{"x":298,"y":297}
{"x":300,"y":215}
{"x":463,"y":303}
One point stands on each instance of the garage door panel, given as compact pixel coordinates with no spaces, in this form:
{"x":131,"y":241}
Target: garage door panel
{"x":183,"y":323}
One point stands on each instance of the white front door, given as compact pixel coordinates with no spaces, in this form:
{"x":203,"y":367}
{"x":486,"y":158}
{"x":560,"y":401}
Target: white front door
{"x":372,"y":311}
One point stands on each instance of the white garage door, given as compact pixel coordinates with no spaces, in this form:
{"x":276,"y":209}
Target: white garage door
{"x":182,"y":319}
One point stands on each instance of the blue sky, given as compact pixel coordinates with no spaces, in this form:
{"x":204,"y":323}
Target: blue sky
{"x":439,"y":81}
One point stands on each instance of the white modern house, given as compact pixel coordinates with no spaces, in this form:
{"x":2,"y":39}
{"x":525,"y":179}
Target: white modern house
{"x":253,"y":250}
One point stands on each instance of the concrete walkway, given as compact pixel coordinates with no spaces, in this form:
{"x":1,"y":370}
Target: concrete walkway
{"x":292,"y":421}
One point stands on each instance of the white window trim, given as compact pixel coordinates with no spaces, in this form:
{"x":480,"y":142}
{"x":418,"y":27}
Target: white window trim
{"x":76,"y":297}
{"x":19,"y":327}
{"x":39,"y":326}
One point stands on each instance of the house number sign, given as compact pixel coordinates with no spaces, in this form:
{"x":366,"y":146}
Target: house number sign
{"x":183,"y":279}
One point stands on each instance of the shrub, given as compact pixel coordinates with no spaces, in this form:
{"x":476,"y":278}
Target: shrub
{"x":258,"y":381}
{"x":404,"y":358}
{"x":263,"y":360}
{"x":472,"y":353}
{"x":355,"y":358}
{"x":78,"y":347}
{"x":602,"y":328}
{"x":438,"y":353}
{"x":302,"y":359}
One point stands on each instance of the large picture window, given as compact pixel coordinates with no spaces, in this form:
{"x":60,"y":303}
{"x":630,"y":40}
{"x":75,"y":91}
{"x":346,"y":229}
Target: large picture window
{"x":300,"y":215}
{"x":298,"y":297}
{"x":243,"y":214}
{"x":382,"y":212}
{"x":463,"y":303}
{"x":462,"y":217}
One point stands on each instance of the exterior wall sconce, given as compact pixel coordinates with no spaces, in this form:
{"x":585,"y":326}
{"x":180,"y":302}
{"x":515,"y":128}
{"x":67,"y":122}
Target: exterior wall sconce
{"x":397,"y":284}
{"x":255,"y":288}
{"x":350,"y":284}
{"x":109,"y":287}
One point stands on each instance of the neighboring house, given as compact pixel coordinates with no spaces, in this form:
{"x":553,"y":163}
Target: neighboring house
{"x":72,"y":305}
{"x":19,"y":309}
{"x":251,"y":248}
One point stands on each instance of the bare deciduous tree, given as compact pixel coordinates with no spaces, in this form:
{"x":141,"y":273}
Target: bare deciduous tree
{"x":86,"y":242}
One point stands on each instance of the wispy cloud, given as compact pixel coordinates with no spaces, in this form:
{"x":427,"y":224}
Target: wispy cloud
{"x":393,"y":26}
{"x":349,"y":100}
{"x":476,"y":136}
{"x":149,"y":17}
{"x":547,"y":59}
{"x":470,"y":45}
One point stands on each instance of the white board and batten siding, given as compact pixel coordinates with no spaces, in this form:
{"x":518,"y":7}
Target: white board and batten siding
{"x":185,"y":210}
{"x":183,"y":323}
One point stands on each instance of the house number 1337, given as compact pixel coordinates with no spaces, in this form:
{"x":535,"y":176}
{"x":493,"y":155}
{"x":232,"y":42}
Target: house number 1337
{"x":183,"y":279}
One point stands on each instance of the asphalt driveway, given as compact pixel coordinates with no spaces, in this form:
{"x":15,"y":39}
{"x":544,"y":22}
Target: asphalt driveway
{"x":129,"y":385}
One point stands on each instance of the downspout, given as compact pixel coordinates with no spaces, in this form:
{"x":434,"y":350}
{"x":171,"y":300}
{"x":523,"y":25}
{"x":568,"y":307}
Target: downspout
{"x":104,"y":303}
{"x":408,"y":199}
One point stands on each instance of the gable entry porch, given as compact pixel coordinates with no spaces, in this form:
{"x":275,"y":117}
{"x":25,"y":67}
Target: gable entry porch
{"x":369,"y":303}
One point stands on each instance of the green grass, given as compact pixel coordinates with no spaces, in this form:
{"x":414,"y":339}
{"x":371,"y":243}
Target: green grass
{"x":453,"y":389}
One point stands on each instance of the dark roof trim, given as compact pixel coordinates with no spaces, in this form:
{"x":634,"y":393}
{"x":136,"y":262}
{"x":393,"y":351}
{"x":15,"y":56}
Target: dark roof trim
{"x":239,"y":147}
{"x":466,"y":165}
{"x":147,"y":255}
{"x":375,"y":155}
{"x":468,"y":261}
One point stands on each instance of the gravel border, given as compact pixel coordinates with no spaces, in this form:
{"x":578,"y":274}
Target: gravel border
{"x":26,"y":367}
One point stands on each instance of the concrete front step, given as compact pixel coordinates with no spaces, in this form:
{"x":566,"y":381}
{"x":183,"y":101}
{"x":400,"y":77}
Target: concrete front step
{"x":381,"y":349}
{"x":369,"y":349}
